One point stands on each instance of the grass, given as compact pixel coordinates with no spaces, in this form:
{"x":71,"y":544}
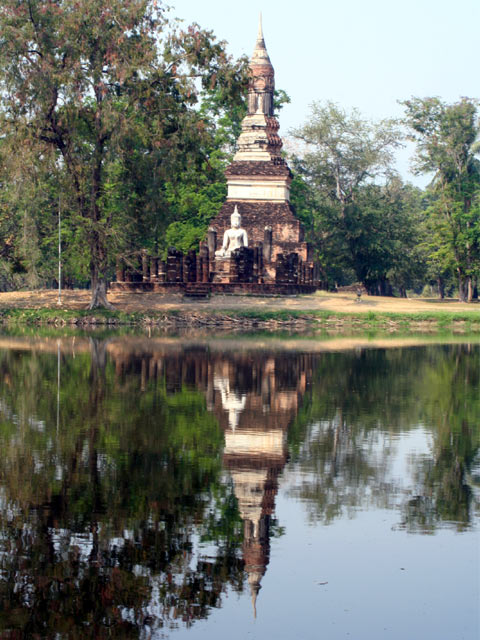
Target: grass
{"x":435,"y":320}
{"x":67,"y":316}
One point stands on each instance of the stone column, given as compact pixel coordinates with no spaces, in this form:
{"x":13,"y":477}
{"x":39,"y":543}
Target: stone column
{"x":211,"y":241}
{"x":204,"y":271}
{"x":145,"y":267}
{"x":190,"y":269}
{"x":153,"y":268}
{"x":267,"y":244}
{"x":261,"y":279}
{"x":162,"y":271}
{"x":174,"y":265}
{"x":257,"y":263}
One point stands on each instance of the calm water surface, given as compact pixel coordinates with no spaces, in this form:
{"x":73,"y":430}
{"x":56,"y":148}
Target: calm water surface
{"x":156,"y":488}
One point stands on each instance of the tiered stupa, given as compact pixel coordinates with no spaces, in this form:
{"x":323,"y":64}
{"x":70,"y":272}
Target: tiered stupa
{"x":258,"y":179}
{"x":255,"y":244}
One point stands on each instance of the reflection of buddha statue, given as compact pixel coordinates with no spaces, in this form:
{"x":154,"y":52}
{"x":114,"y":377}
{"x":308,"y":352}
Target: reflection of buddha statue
{"x":232,"y":402}
{"x":233,"y":238}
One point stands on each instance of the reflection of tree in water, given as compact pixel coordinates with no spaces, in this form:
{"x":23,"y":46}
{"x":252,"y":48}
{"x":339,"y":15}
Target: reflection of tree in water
{"x":452,"y":409}
{"x":99,"y":522}
{"x":104,"y":531}
{"x":356,"y":399}
{"x":101,"y":518}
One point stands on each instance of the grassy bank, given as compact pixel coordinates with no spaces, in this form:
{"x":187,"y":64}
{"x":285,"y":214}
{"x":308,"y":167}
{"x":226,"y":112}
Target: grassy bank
{"x":468,"y":321}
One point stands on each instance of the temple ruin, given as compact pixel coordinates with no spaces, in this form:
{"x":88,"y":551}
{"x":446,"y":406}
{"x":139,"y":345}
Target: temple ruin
{"x":255,"y":244}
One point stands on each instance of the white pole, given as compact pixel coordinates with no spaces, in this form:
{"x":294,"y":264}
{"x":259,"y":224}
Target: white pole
{"x":58,"y":385}
{"x":59,"y":301}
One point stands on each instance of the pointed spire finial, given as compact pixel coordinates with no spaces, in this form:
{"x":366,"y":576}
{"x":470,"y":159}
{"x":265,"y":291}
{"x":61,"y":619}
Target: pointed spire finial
{"x":260,"y":29}
{"x":260,"y":50}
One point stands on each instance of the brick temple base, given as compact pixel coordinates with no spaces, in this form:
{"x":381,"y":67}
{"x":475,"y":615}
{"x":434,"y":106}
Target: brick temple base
{"x":246,"y":272}
{"x":240,"y":288}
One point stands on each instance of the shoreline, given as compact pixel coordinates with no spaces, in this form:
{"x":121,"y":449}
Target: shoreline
{"x":235,"y":319}
{"x":321,"y":311}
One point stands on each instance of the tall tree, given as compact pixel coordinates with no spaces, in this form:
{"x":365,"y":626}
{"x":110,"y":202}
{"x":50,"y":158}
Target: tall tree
{"x":448,"y":144}
{"x":92,"y":81}
{"x":343,"y":156}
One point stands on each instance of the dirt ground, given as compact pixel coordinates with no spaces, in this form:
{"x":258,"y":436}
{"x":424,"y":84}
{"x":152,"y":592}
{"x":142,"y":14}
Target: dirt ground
{"x":319,"y":301}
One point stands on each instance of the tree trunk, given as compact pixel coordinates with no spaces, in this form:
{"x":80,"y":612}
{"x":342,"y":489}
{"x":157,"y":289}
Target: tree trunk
{"x":98,"y":298}
{"x":469,"y":289}
{"x":98,"y":250}
{"x":98,"y":352}
{"x":441,"y":287}
{"x":462,"y":293}
{"x":384,"y":287}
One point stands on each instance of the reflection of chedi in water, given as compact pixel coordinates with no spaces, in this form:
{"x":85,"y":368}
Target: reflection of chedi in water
{"x":255,"y":399}
{"x":255,"y":403}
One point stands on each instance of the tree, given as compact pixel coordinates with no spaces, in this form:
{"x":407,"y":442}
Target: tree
{"x":344,"y":155}
{"x":447,"y":138}
{"x":102,"y":85}
{"x":319,"y":216}
{"x":386,"y":221}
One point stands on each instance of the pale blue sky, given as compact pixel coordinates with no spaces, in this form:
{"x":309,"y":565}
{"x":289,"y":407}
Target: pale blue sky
{"x":366,"y":54}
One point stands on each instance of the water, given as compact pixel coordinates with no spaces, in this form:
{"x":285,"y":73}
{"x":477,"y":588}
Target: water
{"x":238,"y":488}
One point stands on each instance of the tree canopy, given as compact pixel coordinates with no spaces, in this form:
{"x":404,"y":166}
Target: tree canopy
{"x":347,"y":165}
{"x":113,"y":90}
{"x":448,"y":145}
{"x":369,"y":227}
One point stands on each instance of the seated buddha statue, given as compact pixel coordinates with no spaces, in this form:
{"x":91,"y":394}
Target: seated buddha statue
{"x":233,"y":238}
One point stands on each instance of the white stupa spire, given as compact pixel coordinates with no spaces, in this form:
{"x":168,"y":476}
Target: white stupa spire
{"x":260,"y":29}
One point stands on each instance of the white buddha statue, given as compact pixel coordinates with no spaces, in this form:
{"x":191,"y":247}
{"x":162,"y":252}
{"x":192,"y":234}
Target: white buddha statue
{"x":233,"y":238}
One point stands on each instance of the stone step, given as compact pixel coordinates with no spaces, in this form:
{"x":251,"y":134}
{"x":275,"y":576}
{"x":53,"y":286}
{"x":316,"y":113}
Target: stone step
{"x":197,"y":291}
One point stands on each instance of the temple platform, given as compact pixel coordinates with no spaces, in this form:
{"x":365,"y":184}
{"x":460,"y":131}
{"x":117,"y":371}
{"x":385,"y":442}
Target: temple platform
{"x":240,"y":288}
{"x":246,"y":271}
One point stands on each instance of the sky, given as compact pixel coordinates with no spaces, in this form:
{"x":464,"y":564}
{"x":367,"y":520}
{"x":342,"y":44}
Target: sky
{"x":367,"y":54}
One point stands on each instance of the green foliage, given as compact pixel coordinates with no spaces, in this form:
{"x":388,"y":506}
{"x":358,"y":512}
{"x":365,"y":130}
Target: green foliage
{"x":344,"y":151}
{"x":113,"y":92}
{"x":192,"y":206}
{"x":447,"y":138}
{"x":184,"y":236}
{"x":362,"y":230}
